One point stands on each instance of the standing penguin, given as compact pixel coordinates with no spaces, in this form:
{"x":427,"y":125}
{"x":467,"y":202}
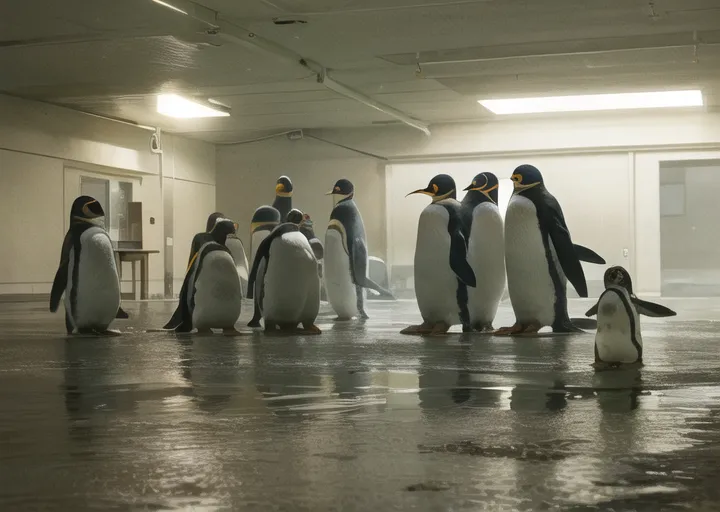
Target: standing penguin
{"x":87,"y":274}
{"x":264,"y":220}
{"x":486,"y":250}
{"x":285,"y":278}
{"x":283,"y":197}
{"x":540,"y":257}
{"x":618,"y":339}
{"x":211,"y":295}
{"x":237,"y":250}
{"x":201,"y":238}
{"x":442,"y":273}
{"x":346,"y":259}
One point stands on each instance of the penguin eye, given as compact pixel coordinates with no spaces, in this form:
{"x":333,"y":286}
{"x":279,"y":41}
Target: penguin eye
{"x":474,"y":183}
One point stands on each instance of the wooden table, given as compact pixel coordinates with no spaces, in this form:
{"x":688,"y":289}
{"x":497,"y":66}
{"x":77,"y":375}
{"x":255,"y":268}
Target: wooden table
{"x":133,"y":255}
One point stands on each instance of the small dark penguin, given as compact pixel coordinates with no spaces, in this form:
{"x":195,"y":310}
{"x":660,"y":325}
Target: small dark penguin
{"x":540,"y":257}
{"x":486,"y":250}
{"x":286,"y":281}
{"x":87,"y":274}
{"x":211,"y":295}
{"x":442,"y":272}
{"x":618,"y":339}
{"x":346,"y":260}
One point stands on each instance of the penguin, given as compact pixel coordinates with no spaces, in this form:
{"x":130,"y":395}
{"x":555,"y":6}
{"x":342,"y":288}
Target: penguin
{"x":540,"y":257}
{"x":346,"y":262}
{"x":237,"y":250}
{"x":618,"y":339}
{"x":264,"y":220}
{"x":266,"y":217}
{"x":211,"y":295}
{"x":87,"y":275}
{"x":201,"y":238}
{"x":286,"y":281}
{"x":283,"y":197}
{"x":486,"y":250}
{"x":442,"y":272}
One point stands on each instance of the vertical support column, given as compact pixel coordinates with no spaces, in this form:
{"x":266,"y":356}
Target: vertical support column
{"x":167,"y":185}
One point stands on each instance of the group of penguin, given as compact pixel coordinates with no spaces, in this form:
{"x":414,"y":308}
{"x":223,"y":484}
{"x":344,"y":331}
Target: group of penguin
{"x":465,"y":255}
{"x":284,"y":279}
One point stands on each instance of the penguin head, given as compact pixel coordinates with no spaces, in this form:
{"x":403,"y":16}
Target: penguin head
{"x":87,"y":209}
{"x":211,"y":220}
{"x":264,"y":218}
{"x":618,"y":276}
{"x":222,"y":229}
{"x":440,"y":187}
{"x":295,"y":216}
{"x":343,"y":189}
{"x":525,"y":177}
{"x":487,"y":184}
{"x":283,"y":187}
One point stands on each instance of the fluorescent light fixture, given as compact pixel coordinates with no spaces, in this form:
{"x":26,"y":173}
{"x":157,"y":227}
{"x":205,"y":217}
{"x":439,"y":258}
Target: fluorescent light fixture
{"x":634,"y":100}
{"x":170,"y":6}
{"x":172,"y":105}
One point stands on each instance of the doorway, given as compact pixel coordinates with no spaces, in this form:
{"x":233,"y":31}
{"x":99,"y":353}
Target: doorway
{"x":689,"y":231}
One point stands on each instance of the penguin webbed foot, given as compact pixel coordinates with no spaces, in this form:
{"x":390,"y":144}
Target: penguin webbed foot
{"x":510,"y":331}
{"x":423,"y":328}
{"x":483,"y":328}
{"x":439,"y":329}
{"x":309,"y":328}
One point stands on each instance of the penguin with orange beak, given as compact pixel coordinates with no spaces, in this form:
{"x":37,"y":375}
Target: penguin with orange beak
{"x":486,"y":250}
{"x":442,"y":272}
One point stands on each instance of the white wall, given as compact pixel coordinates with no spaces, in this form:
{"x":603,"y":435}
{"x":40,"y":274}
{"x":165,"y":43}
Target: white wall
{"x":246,"y":176}
{"x":44,"y":150}
{"x":604,"y":169}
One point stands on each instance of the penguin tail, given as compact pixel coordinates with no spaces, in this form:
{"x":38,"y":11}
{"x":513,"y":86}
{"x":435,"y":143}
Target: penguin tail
{"x":122,"y":314}
{"x":372,"y":285}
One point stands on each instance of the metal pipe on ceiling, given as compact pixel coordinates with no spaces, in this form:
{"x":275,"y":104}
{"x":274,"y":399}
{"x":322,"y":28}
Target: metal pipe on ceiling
{"x":239,"y":35}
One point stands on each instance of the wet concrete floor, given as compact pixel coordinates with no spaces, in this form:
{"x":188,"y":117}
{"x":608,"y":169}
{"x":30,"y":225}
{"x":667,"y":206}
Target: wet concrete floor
{"x":360,"y":418}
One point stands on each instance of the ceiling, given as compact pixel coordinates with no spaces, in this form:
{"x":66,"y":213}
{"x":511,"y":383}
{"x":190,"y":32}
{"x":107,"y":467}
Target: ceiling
{"x":431,"y":59}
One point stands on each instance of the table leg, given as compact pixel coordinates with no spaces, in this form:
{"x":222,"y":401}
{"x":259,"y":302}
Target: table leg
{"x":144,"y":271}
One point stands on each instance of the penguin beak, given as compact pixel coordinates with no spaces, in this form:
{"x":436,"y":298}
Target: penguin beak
{"x":429,"y":191}
{"x":329,"y":193}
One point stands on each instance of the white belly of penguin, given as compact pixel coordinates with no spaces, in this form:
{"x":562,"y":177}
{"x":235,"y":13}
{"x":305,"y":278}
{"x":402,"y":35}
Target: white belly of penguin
{"x":530,"y":285}
{"x":435,"y":282}
{"x":218,"y":294}
{"x":486,"y":255}
{"x":338,"y":283}
{"x":614,"y":332}
{"x":98,"y":290}
{"x":292,"y":284}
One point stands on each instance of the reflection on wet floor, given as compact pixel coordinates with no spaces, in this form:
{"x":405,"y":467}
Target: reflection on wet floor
{"x":356,"y":419}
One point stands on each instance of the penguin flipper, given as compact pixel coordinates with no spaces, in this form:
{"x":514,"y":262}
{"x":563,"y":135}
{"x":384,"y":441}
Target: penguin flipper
{"x":593,"y":310}
{"x":458,"y":259}
{"x":61,"y":276}
{"x":565,"y":250}
{"x":588,"y":255}
{"x":360,"y":268}
{"x":651,"y":309}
